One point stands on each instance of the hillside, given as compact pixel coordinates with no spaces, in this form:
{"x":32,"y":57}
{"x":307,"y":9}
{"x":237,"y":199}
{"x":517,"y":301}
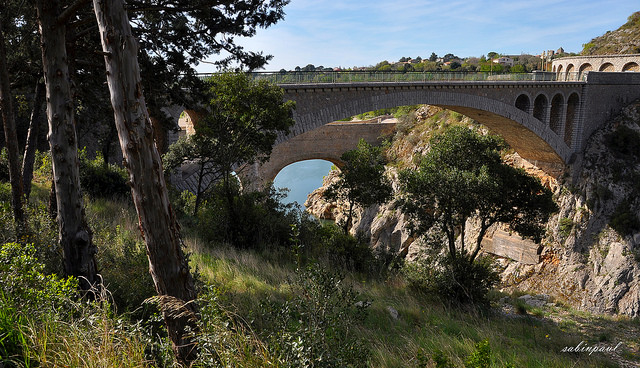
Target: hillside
{"x":624,"y":40}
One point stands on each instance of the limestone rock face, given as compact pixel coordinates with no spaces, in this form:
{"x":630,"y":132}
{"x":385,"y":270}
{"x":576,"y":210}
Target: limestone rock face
{"x":585,"y":262}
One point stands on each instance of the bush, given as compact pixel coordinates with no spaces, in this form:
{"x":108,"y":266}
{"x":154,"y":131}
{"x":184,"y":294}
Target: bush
{"x":456,"y":280}
{"x":624,"y":221}
{"x":254,"y":221}
{"x":26,"y":292}
{"x":101,"y":180}
{"x":316,"y":327}
{"x":623,"y":142}
{"x":481,"y":357}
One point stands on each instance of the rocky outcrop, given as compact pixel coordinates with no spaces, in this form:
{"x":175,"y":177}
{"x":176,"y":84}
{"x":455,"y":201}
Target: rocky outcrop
{"x":590,"y":256}
{"x":592,"y":251}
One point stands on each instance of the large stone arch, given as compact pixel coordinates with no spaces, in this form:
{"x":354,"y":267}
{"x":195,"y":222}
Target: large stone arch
{"x":326,"y":142}
{"x":530,"y":137}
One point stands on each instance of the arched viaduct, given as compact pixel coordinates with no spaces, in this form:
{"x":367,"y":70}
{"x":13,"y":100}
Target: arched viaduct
{"x":546,"y":122}
{"x":573,"y":67}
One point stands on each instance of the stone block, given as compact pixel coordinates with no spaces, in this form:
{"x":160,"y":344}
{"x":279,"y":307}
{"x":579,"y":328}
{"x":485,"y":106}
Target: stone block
{"x":514,"y":247}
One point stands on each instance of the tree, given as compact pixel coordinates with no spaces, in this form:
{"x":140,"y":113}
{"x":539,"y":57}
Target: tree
{"x":361,"y":180}
{"x":11,"y":139}
{"x":433,"y":57}
{"x":234,"y":132}
{"x":75,"y":236}
{"x":463,"y":177}
{"x":167,"y":263}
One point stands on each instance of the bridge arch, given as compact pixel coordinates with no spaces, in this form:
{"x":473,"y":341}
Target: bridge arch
{"x":555,"y":116}
{"x":528,"y":135}
{"x":540,"y":107}
{"x":523,"y":102}
{"x":570,"y":69}
{"x":631,"y":67}
{"x":606,"y":67}
{"x":559,"y":72}
{"x":572,"y":112}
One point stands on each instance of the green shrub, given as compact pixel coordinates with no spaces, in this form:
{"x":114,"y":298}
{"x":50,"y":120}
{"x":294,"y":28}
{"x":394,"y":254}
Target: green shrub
{"x":623,"y":142}
{"x":255,"y":220}
{"x":26,"y":292}
{"x":100,"y":180}
{"x":565,"y":225}
{"x":317,"y":326}
{"x":456,"y":280}
{"x":481,"y":357}
{"x":624,"y":221}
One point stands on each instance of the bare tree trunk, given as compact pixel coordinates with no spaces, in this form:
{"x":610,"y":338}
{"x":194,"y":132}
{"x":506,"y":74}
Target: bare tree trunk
{"x":167,"y":263}
{"x":11,"y":139}
{"x":74,"y":234}
{"x":32,"y":140}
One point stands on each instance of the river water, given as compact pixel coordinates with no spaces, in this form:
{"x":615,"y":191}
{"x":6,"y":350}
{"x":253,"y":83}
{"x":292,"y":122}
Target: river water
{"x":302,"y":178}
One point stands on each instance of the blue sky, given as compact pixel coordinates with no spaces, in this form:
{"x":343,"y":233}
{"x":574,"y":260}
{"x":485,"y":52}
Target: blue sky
{"x":351,"y":33}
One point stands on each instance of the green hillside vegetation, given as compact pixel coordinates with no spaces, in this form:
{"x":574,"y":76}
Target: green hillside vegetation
{"x":624,"y":40}
{"x":313,"y":298}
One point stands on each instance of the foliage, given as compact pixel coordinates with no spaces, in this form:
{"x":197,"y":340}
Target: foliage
{"x":623,"y":142}
{"x":224,"y":340}
{"x":565,"y":225}
{"x":481,"y":357}
{"x":623,"y":220}
{"x":361,"y":180}
{"x":317,"y":328}
{"x":101,"y":180}
{"x":462,"y":177}
{"x":259,"y":218}
{"x":26,"y":292}
{"x":243,"y":121}
{"x":457,"y":280}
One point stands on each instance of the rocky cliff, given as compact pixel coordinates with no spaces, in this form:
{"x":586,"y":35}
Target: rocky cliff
{"x":591,"y":254}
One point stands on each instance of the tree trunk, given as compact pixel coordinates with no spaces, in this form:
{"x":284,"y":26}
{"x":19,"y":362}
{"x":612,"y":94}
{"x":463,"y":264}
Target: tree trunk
{"x":32,"y":140}
{"x":167,"y":262}
{"x":11,"y":139}
{"x":74,"y":234}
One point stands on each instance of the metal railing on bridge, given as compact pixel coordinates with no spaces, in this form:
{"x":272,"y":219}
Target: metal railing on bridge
{"x":305,"y":77}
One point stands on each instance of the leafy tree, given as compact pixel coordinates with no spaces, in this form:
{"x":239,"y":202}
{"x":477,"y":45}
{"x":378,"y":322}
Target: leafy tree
{"x":492,"y":55}
{"x":243,"y":122}
{"x":449,"y":57}
{"x":433,"y":57}
{"x":362,"y":180}
{"x":463,"y":177}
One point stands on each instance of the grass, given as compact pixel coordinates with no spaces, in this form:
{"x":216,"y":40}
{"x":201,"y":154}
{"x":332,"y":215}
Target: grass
{"x":426,"y":324}
{"x":131,"y":334}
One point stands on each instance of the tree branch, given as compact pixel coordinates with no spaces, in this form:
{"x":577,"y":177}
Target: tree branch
{"x":70,"y":11}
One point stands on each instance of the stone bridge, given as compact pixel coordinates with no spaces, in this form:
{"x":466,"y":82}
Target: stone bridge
{"x":546,"y":122}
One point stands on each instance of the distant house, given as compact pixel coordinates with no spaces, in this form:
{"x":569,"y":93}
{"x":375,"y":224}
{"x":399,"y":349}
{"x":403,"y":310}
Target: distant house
{"x":504,"y":60}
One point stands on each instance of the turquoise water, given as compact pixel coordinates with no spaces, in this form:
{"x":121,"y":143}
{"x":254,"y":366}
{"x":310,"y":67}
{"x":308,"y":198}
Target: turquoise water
{"x":302,"y":178}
